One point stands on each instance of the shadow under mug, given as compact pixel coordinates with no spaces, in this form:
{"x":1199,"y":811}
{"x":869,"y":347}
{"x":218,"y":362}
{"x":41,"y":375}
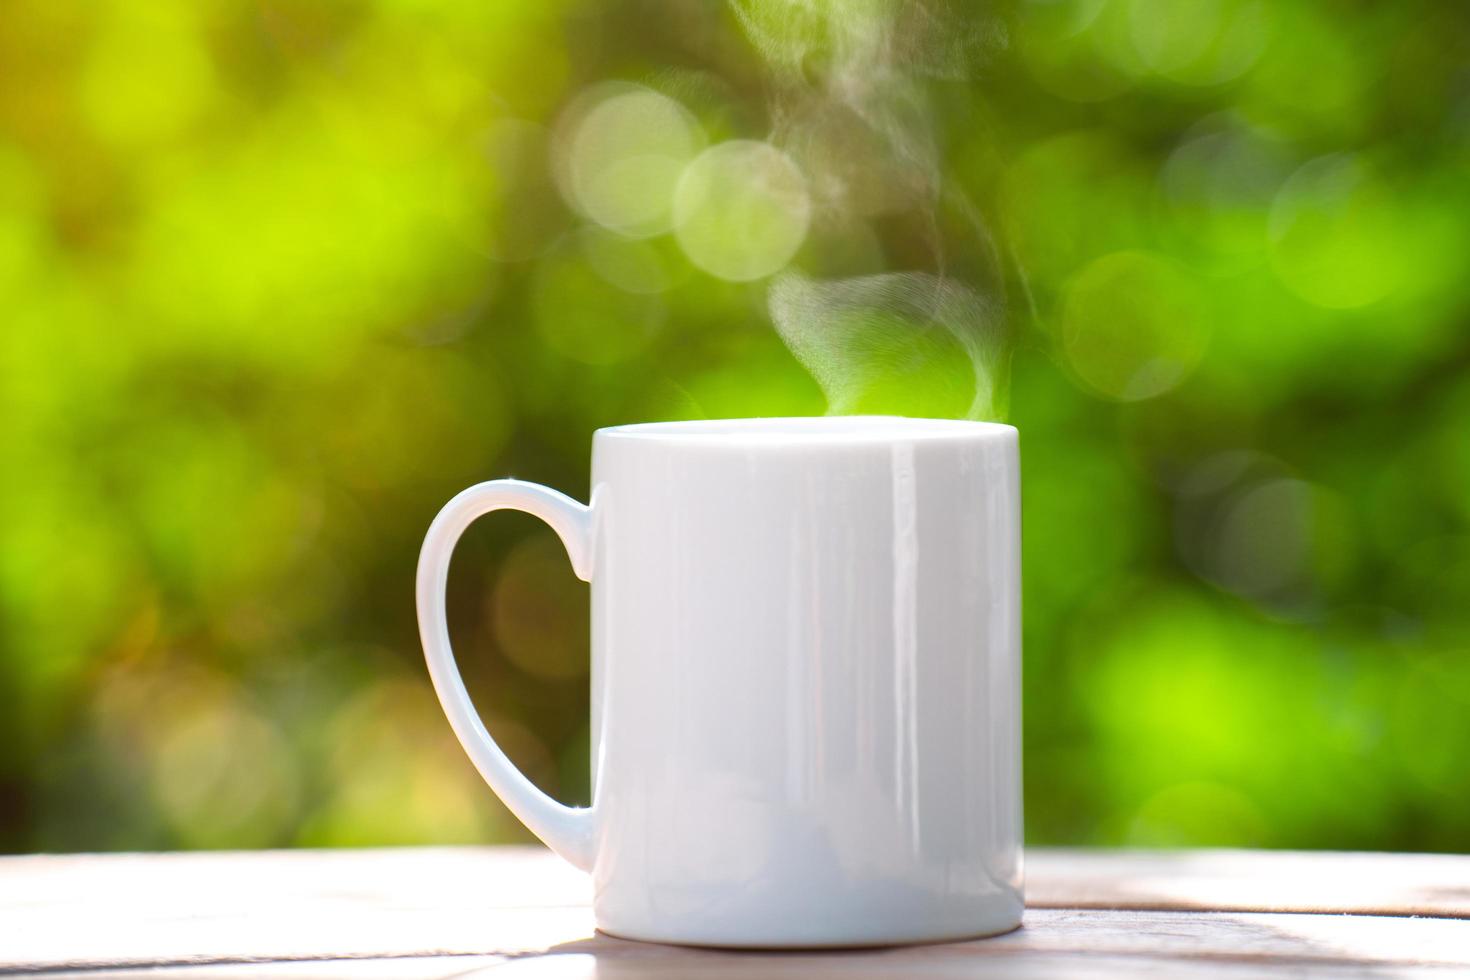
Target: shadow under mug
{"x":805,"y":679}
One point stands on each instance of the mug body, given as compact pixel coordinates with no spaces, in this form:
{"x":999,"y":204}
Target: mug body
{"x":806,"y":681}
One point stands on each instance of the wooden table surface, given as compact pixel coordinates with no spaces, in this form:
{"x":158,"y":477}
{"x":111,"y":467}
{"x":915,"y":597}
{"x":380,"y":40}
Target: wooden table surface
{"x":518,"y":912}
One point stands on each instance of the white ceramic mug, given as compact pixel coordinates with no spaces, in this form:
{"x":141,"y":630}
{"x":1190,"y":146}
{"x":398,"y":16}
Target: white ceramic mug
{"x":805,"y":679}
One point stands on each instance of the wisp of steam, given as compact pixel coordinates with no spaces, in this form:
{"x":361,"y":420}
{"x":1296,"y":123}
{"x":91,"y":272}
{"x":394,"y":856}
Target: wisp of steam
{"x":922,"y":324}
{"x":868,"y":340}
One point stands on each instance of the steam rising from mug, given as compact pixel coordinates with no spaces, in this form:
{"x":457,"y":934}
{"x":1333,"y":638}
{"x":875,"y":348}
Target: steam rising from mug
{"x":869,"y":338}
{"x":852,"y":108}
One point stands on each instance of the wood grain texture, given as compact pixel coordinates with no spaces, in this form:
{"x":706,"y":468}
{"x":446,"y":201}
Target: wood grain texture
{"x":519,"y":912}
{"x":1251,"y":881}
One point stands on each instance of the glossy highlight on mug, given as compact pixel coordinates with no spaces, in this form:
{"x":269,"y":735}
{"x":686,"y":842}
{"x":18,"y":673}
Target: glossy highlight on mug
{"x":805,"y":679}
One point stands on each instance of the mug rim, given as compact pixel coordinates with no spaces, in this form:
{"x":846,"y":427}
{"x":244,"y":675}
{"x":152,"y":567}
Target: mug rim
{"x":812,"y":429}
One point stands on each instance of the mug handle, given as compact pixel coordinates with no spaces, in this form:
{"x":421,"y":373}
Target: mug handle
{"x":566,"y":830}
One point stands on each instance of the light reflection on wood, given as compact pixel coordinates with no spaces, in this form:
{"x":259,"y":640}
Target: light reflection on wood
{"x":520,"y":913}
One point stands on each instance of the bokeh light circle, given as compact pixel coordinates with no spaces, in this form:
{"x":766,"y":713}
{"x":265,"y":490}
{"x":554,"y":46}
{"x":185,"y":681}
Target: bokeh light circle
{"x":1217,"y":188}
{"x":1080,"y":50}
{"x":1263,"y":542}
{"x":1133,"y":325}
{"x":1334,"y":235}
{"x":1195,"y":813}
{"x":1203,"y":42}
{"x":741,"y":210}
{"x":1282,"y":542}
{"x":632,"y":264}
{"x":1246,"y":524}
{"x":540,"y":618}
{"x":404,"y":783}
{"x":1312,"y":77}
{"x":622,"y":148}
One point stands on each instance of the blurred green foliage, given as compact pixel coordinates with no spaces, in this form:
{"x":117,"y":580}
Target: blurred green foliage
{"x":280,"y":277}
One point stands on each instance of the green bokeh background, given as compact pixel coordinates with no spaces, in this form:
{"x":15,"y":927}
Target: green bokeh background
{"x":279,"y":277}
